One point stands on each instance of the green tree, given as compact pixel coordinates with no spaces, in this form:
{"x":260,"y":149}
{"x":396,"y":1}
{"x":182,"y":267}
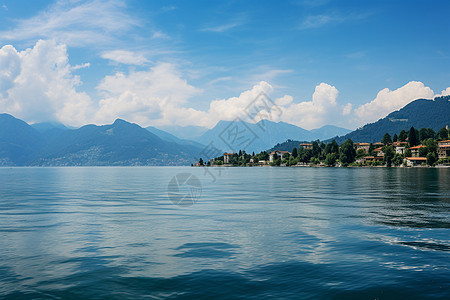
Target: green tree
{"x":294,"y":152}
{"x":347,"y":152}
{"x":412,"y":139}
{"x":398,"y":159}
{"x":332,"y":147}
{"x":408,"y":152}
{"x":386,"y":139}
{"x":395,"y":138}
{"x":431,"y":158}
{"x":200,"y":162}
{"x":402,"y":136}
{"x":360,"y":153}
{"x":330,"y":160}
{"x":389,"y":154}
{"x":443,"y":134}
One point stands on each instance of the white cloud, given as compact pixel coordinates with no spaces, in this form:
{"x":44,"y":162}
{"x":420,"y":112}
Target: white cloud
{"x":313,"y":114}
{"x":222,"y":28}
{"x":347,"y":109}
{"x":37,"y":85}
{"x":143,"y":96}
{"x":125,"y":57}
{"x":388,"y":101}
{"x":75,"y":23}
{"x":445,"y":92}
{"x":82,"y":66}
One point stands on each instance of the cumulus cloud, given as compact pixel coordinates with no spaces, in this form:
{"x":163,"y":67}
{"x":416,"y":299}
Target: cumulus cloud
{"x":445,"y":92}
{"x":312,"y":114}
{"x":387,"y":101}
{"x":125,"y":57}
{"x":143,"y":96}
{"x":37,"y":84}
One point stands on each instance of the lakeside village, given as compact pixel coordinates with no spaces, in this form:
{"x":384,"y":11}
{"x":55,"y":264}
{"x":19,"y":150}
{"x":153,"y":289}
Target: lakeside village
{"x":411,"y":148}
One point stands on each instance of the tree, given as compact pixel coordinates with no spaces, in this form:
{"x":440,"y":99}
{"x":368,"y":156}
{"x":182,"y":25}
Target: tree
{"x":200,"y":162}
{"x":443,"y":134}
{"x":294,"y":152}
{"x":330,"y":160}
{"x":395,"y":138}
{"x":386,"y":139}
{"x":412,"y":139}
{"x":431,"y":158}
{"x":388,"y":155}
{"x":398,"y":159}
{"x":408,"y":152}
{"x":332,"y":147}
{"x":347,"y":152}
{"x":402,"y":136}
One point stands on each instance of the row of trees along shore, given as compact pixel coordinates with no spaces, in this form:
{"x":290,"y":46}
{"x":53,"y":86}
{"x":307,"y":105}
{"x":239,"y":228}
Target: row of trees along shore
{"x":331,"y":154}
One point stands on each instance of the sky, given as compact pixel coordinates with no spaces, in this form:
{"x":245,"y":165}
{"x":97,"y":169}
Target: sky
{"x":159,"y":63}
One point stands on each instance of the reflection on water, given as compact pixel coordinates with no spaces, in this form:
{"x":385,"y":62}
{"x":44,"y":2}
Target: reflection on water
{"x":254,"y":233}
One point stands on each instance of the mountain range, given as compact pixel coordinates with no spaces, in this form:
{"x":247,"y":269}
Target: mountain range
{"x":123,"y":143}
{"x":421,"y":113}
{"x":239,"y":135}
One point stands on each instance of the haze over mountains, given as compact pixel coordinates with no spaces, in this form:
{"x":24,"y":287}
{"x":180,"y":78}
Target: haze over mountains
{"x":124,"y":143}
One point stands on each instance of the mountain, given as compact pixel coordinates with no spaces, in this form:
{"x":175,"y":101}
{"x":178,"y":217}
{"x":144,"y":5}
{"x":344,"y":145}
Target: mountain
{"x":421,"y":113}
{"x":261,"y":136}
{"x":328,"y":131}
{"x":184,"y":132}
{"x":171,"y":138}
{"x":18,"y":141}
{"x":46,"y":126}
{"x":121,"y":143}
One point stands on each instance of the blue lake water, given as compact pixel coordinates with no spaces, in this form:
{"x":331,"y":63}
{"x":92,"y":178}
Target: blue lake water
{"x":253,"y":233}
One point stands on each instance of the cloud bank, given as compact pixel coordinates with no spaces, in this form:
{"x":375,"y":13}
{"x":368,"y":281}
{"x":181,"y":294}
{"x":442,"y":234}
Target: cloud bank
{"x":39,"y":84}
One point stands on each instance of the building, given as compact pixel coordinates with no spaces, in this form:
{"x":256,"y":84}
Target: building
{"x":367,"y":159}
{"x":379,"y":152}
{"x":415,"y":161}
{"x":226,"y":157}
{"x":415,"y":150}
{"x":277,"y":154}
{"x":377,"y":145}
{"x":399,"y":144}
{"x":362,"y":146}
{"x":444,"y":149}
{"x":306,"y":146}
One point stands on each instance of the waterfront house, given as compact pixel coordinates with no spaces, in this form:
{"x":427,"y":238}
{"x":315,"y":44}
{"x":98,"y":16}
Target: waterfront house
{"x":306,"y":146}
{"x":277,"y":154}
{"x":400,"y":149}
{"x":367,"y":159}
{"x":444,"y":149}
{"x":362,"y":146}
{"x":377,"y":145}
{"x":415,"y":150}
{"x":379,"y":152}
{"x":226,"y":157}
{"x":415,"y":161}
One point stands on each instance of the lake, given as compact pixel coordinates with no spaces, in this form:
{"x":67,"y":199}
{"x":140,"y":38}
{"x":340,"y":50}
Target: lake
{"x":224,"y":233}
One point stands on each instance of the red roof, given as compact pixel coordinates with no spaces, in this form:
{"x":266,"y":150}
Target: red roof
{"x":446,"y":141}
{"x":228,"y":154}
{"x":280,"y":151}
{"x":305,"y":144}
{"x":378,"y":149}
{"x":417,"y":158}
{"x":362,"y":144}
{"x":417,"y":147}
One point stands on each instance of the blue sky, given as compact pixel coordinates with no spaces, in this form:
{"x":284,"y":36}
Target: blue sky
{"x":156,"y":63}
